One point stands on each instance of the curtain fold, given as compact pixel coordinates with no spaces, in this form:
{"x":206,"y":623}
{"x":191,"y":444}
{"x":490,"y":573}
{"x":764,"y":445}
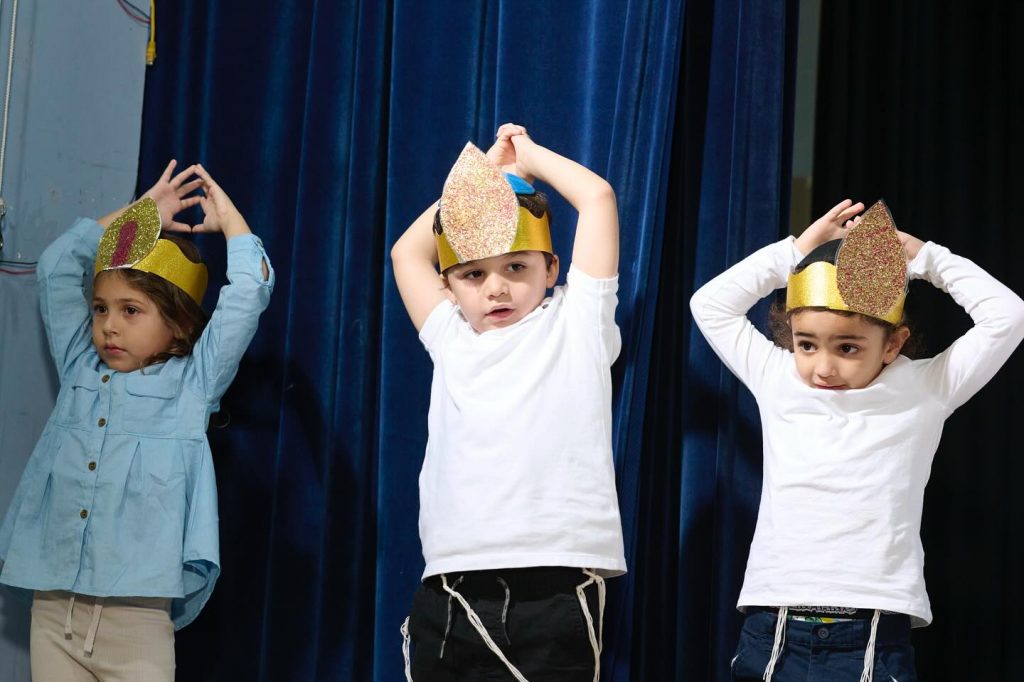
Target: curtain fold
{"x":728,"y":196}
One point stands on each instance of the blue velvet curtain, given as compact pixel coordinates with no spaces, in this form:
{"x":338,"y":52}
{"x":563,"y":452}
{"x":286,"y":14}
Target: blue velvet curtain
{"x":701,"y":464}
{"x":332,"y":125}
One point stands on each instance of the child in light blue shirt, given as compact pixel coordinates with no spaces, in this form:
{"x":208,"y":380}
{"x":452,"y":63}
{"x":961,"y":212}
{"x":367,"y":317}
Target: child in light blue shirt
{"x":116,"y":512}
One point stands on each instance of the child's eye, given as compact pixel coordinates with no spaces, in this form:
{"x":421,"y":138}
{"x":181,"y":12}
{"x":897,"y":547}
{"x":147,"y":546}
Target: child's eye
{"x":98,"y":309}
{"x":848,"y":349}
{"x":131,"y":310}
{"x":516,"y":267}
{"x":473,"y":274}
{"x":805,"y":346}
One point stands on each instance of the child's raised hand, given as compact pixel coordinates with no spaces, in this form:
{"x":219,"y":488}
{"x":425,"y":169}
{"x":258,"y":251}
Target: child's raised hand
{"x":170,"y":195}
{"x":911,"y":244}
{"x":504,"y":153}
{"x":219,"y":212}
{"x":830,"y":226}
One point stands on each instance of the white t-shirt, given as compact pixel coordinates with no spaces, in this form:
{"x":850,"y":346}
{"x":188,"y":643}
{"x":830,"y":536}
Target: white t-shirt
{"x":845,"y":471}
{"x":518,"y":469}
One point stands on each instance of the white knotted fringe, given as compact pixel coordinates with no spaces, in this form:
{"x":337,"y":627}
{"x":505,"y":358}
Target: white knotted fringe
{"x":448,"y":622}
{"x":67,"y":621}
{"x":869,"y":653}
{"x":478,"y":625}
{"x":90,"y":636}
{"x":504,"y":608}
{"x":406,"y":641}
{"x":596,"y":639}
{"x":778,"y":644}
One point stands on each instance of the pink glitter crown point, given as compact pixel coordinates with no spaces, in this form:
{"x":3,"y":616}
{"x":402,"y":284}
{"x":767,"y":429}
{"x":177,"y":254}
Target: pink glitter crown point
{"x":871,"y":266}
{"x":125,"y":238}
{"x":479,"y":209}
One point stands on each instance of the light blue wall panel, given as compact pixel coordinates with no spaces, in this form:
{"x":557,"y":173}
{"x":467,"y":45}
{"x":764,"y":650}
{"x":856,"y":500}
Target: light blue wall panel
{"x":72,"y":149}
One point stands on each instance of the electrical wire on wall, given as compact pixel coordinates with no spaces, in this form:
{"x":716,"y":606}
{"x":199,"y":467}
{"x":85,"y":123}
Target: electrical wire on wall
{"x":7,"y":109}
{"x":12,"y":267}
{"x":149,"y":20}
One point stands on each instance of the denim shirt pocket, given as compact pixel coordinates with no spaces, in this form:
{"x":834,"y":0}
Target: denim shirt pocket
{"x":79,"y":396}
{"x":151,"y":405}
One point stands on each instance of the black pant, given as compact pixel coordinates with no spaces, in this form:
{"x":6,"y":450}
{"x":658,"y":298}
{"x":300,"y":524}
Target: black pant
{"x":533,"y":614}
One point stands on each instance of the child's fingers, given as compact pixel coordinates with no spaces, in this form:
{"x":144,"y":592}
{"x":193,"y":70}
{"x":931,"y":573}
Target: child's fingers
{"x":165,"y":176}
{"x":189,"y":202}
{"x":210,"y":185}
{"x":182,"y":176}
{"x":837,"y":210}
{"x":205,"y":174}
{"x":175,"y":226}
{"x":509,"y":129}
{"x":189,"y":187}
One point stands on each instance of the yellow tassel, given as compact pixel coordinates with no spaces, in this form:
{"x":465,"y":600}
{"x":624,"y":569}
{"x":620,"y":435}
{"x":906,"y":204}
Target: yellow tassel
{"x":151,"y":47}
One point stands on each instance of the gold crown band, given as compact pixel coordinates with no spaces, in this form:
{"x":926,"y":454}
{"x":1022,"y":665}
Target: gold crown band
{"x":479,"y":214}
{"x":815,"y":287}
{"x":131,"y":242}
{"x":167,"y":261}
{"x":532,"y":234}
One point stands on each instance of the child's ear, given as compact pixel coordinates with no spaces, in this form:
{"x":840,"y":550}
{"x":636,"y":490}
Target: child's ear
{"x":894,"y":344}
{"x":552,"y":271}
{"x":447,"y":289}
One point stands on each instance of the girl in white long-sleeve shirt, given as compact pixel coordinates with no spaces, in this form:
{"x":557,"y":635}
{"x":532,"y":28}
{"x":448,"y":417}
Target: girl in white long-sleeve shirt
{"x":834,"y":578}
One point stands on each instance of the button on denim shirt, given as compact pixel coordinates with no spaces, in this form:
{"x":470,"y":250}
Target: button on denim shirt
{"x":119,"y":496}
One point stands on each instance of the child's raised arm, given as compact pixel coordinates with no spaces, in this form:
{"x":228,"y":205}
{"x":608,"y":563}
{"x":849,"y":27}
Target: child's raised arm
{"x":414,"y":259}
{"x":239,"y":304}
{"x":596,"y":247}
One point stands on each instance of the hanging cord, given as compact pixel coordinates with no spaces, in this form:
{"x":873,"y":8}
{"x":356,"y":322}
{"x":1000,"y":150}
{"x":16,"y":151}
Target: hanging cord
{"x":7,"y":108}
{"x":478,"y":625}
{"x":778,"y":645}
{"x":596,"y":638}
{"x":151,"y":46}
{"x":406,"y":645}
{"x":136,"y":14}
{"x":868,"y":675}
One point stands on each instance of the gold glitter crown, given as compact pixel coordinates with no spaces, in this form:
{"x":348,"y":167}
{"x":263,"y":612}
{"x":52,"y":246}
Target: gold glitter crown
{"x":480,"y":216}
{"x":133,"y":242}
{"x":868,"y":275}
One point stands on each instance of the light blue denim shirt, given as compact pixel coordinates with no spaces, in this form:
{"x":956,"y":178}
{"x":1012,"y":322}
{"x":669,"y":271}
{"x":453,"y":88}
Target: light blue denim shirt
{"x":119,"y":496}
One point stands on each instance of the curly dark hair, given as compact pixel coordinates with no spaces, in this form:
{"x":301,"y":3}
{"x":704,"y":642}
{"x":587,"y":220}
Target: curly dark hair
{"x":185,"y":317}
{"x":782,"y":333}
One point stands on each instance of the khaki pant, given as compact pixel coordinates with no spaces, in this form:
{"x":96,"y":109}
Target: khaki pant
{"x":89,"y":639}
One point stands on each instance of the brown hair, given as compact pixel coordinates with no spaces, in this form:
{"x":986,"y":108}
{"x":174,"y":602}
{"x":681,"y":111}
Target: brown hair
{"x":185,"y":317}
{"x":782,"y":333}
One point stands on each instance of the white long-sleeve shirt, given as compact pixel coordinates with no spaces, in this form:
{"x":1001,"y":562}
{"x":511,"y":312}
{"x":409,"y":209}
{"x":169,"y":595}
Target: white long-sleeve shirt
{"x":845,"y":471}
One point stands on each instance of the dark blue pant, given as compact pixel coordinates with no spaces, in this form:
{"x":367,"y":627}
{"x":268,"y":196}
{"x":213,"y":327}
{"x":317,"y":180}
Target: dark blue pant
{"x":825,"y":652}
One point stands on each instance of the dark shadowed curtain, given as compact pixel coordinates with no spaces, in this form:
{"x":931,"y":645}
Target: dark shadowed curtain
{"x":920,"y":103}
{"x":701,"y":466}
{"x":332,"y":125}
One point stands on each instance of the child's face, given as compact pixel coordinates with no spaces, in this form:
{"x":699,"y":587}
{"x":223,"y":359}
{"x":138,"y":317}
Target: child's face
{"x":127,"y":327}
{"x":839,"y":352}
{"x":499,"y":291}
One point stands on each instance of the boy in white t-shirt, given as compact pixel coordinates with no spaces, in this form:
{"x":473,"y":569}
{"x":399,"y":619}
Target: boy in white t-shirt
{"x":519,"y":518}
